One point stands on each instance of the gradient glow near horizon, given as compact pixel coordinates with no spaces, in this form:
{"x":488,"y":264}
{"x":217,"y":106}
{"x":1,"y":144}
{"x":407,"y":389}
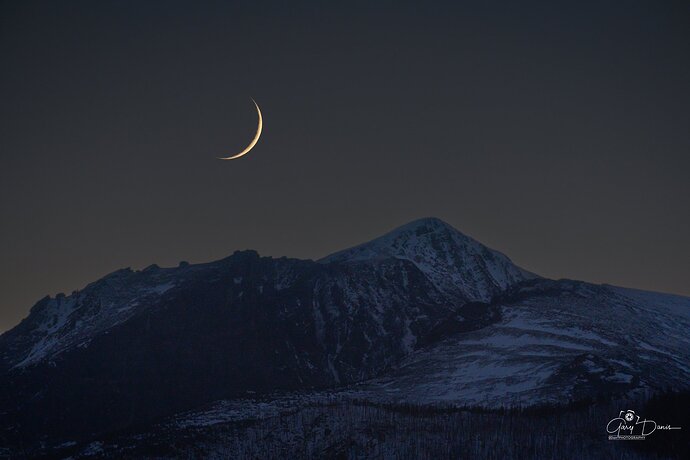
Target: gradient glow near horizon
{"x":556,"y":134}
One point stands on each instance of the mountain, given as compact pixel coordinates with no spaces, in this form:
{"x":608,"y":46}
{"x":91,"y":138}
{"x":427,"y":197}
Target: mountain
{"x":422,"y":315}
{"x":424,"y":265}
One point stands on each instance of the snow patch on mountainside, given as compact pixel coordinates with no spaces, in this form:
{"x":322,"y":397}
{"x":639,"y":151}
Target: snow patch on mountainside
{"x":556,"y":341}
{"x":60,"y":323}
{"x":675,"y":304}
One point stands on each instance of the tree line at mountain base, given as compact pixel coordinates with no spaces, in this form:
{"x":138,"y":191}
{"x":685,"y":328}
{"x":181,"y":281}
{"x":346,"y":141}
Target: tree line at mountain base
{"x":362,"y":429}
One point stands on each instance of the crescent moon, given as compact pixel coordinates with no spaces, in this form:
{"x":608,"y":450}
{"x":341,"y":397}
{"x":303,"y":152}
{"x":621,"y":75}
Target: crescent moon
{"x":254,"y":141}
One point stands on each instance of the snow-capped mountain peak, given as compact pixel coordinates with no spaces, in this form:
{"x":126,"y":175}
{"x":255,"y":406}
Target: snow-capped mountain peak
{"x":456,"y":264}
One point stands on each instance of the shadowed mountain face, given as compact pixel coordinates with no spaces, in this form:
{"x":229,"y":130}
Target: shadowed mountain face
{"x":422,"y":314}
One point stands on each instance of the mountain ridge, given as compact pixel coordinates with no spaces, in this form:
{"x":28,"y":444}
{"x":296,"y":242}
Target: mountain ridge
{"x":122,"y":291}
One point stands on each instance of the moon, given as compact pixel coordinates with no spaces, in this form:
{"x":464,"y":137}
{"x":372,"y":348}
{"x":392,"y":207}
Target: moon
{"x":254,"y":141}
